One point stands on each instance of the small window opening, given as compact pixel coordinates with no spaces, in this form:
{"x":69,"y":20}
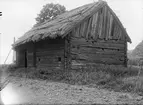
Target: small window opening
{"x":59,"y":59}
{"x":39,"y":59}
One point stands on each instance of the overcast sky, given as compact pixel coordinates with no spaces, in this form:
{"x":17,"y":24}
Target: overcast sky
{"x":18,"y":16}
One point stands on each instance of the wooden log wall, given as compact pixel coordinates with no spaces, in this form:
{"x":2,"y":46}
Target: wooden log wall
{"x":99,"y":39}
{"x":20,"y":58}
{"x":67,"y":52}
{"x":50,"y":54}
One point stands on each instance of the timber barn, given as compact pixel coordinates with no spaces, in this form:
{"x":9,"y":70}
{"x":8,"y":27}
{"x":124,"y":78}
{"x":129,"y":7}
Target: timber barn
{"x":89,"y":34}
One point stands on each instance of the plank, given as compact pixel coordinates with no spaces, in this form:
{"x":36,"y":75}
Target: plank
{"x":120,"y":34}
{"x":49,"y":59}
{"x":100,"y":45}
{"x":50,"y":48}
{"x":94,"y":24}
{"x":97,"y":27}
{"x":95,"y":50}
{"x":85,"y":28}
{"x":103,"y":34}
{"x":77,"y":55}
{"x":81,"y":29}
{"x":116,"y":31}
{"x":101,"y":61}
{"x":50,"y":65}
{"x":88,"y":28}
{"x":101,"y":21}
{"x":120,"y":25}
{"x":111,"y":41}
{"x":100,"y":40}
{"x":51,"y":53}
{"x":77,"y":31}
{"x":110,"y":27}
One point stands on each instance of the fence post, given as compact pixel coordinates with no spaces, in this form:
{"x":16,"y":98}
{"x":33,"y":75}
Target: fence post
{"x":140,"y":64}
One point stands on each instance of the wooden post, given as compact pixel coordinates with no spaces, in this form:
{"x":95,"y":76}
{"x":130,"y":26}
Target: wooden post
{"x":138,"y":83}
{"x":69,"y":50}
{"x":67,"y":57}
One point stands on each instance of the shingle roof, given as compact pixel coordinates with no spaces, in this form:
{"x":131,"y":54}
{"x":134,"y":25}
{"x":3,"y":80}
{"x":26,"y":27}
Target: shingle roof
{"x":61,"y":24}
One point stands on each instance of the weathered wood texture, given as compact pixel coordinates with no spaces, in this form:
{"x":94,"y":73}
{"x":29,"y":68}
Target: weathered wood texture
{"x":99,"y":39}
{"x":45,"y":53}
{"x":102,"y":25}
{"x":97,"y":52}
{"x":50,"y":53}
{"x":60,"y":25}
{"x":67,"y":52}
{"x":21,"y":56}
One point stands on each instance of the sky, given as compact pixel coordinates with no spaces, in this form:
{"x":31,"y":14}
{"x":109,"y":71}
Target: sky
{"x":18,"y":16}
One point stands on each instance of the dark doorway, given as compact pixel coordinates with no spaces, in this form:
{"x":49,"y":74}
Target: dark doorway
{"x":25,"y":58}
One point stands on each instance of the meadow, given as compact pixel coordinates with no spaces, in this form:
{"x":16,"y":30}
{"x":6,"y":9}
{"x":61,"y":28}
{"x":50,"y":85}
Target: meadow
{"x":111,"y":77}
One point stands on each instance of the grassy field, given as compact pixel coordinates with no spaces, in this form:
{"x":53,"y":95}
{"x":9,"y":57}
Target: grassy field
{"x":110,"y":77}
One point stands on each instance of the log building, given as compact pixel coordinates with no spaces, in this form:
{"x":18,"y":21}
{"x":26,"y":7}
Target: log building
{"x":86,"y":35}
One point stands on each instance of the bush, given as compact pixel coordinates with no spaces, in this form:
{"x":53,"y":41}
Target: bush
{"x":133,"y":61}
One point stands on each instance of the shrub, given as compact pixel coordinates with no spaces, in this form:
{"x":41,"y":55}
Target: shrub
{"x":133,"y":61}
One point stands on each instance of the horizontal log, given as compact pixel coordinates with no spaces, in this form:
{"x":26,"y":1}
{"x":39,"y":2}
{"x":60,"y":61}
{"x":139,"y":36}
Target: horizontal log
{"x":93,"y":57}
{"x":85,"y":62}
{"x":50,"y":53}
{"x":49,"y":49}
{"x":99,"y":40}
{"x":96,"y":50}
{"x":46,"y":61}
{"x":99,"y":54}
{"x":50,"y":65}
{"x":84,"y":42}
{"x":100,"y":46}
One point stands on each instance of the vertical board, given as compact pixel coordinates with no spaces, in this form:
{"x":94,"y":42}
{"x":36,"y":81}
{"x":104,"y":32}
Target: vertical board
{"x":88,"y":27}
{"x":94,"y":25}
{"x":104,"y":23}
{"x":97,"y":26}
{"x":101,"y":21}
{"x":108,"y":25}
{"x":67,"y":55}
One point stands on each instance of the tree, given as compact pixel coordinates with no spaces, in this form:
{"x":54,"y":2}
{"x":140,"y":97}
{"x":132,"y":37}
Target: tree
{"x":50,"y":11}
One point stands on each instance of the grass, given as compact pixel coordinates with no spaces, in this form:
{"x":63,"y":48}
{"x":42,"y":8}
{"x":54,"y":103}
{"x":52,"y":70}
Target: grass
{"x":110,"y":77}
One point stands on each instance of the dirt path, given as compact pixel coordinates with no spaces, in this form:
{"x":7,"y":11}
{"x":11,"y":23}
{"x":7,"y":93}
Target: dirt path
{"x":30,"y":91}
